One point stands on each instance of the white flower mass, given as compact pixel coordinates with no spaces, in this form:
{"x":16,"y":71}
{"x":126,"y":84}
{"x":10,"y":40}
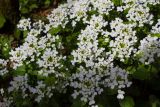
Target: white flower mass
{"x":92,"y":66}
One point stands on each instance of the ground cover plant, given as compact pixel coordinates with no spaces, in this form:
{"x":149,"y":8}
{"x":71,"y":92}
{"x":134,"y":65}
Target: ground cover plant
{"x":85,"y":53}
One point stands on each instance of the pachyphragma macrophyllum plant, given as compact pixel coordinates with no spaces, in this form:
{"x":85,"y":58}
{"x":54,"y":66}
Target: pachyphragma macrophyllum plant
{"x":87,"y":45}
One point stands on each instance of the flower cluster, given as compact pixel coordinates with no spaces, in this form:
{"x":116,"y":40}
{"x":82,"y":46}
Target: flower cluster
{"x":156,"y":28}
{"x":84,"y":47}
{"x":123,"y":39}
{"x":102,"y":6}
{"x":20,"y":83}
{"x":140,"y":13}
{"x":89,"y":83}
{"x":3,"y":67}
{"x":24,"y":24}
{"x":149,"y":49}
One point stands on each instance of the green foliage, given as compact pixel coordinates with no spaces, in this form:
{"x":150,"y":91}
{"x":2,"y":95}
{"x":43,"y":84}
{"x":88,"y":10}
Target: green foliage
{"x":127,"y":102}
{"x":78,"y":103}
{"x":20,"y":70}
{"x":154,"y":101}
{"x":117,"y":2}
{"x":141,"y":73}
{"x":156,"y":35}
{"x":54,"y":31}
{"x":5,"y":45}
{"x":17,"y":33}
{"x":27,"y":6}
{"x":2,"y":20}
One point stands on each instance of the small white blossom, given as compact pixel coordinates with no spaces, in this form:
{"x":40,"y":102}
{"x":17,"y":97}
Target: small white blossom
{"x":120,"y":94}
{"x":148,"y":49}
{"x":24,"y":24}
{"x":3,"y":67}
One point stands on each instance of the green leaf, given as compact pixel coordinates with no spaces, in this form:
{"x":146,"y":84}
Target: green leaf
{"x":2,"y":20}
{"x":127,"y":102}
{"x":154,"y":102}
{"x":6,"y":50}
{"x":117,"y":2}
{"x":78,"y":103}
{"x":5,"y":45}
{"x":17,"y":33}
{"x":47,"y":2}
{"x":25,"y":33}
{"x":141,"y":73}
{"x":24,"y":10}
{"x":20,"y":70}
{"x":126,"y":11}
{"x":110,"y":91}
{"x":33,"y":6}
{"x":54,"y":30}
{"x":99,"y":105}
{"x":48,"y":103}
{"x":156,"y":35}
{"x":50,"y":80}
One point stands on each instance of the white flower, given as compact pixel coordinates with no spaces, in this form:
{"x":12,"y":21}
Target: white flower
{"x":58,"y":17}
{"x":91,"y":102}
{"x":24,"y":24}
{"x":103,"y":6}
{"x":156,"y":28}
{"x":140,"y":13}
{"x":124,"y":39}
{"x":120,"y":94}
{"x":120,"y":9}
{"x":148,"y":49}
{"x":3,"y":67}
{"x":1,"y":91}
{"x":101,"y":44}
